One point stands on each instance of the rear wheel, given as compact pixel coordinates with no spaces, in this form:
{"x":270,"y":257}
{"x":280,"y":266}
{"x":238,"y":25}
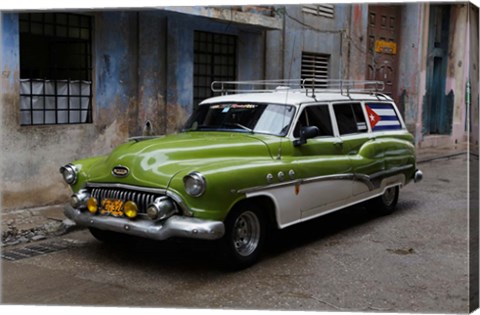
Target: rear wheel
{"x":245,"y":236}
{"x":386,"y":203}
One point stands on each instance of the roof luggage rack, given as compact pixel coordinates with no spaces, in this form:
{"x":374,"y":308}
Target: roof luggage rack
{"x":309,"y":86}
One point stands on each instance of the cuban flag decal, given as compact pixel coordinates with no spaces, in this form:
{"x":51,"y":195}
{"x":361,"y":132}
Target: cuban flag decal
{"x":382,"y":117}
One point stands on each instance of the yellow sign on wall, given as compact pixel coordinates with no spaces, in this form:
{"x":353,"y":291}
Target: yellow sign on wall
{"x":385,"y":47}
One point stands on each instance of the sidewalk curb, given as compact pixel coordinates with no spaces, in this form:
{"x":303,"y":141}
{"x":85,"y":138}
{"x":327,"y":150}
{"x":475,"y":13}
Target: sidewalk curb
{"x":35,"y":225}
{"x":439,"y":157}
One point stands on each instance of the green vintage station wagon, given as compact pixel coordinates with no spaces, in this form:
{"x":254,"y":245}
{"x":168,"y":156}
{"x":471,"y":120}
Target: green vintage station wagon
{"x":264,"y":154}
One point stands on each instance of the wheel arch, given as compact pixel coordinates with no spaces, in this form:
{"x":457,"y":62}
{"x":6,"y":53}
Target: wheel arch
{"x":265,"y":203}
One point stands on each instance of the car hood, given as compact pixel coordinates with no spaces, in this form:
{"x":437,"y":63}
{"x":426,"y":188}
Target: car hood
{"x":154,"y":162}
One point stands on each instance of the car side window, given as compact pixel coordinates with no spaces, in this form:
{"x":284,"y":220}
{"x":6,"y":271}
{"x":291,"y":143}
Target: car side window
{"x":350,"y":118}
{"x":318,"y":116}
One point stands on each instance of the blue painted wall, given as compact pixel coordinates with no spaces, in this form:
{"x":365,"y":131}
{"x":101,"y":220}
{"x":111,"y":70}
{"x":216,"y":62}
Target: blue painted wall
{"x":9,"y":49}
{"x":144,"y":65}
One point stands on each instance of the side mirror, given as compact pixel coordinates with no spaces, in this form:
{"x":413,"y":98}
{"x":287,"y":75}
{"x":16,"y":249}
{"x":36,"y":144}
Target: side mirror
{"x":306,"y":133}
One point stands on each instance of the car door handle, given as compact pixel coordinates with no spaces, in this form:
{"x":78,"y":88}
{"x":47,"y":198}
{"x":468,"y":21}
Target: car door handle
{"x":338,"y":142}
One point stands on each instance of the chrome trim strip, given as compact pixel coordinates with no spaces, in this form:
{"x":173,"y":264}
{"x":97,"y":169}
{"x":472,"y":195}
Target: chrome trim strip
{"x":127,"y":187}
{"x":371,"y":181}
{"x":142,"y":138}
{"x":266,"y":187}
{"x":296,"y":182}
{"x":348,"y":176}
{"x":175,"y":226}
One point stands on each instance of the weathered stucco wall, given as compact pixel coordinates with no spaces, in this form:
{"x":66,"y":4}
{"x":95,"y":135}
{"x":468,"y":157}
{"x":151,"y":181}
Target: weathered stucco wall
{"x":474,"y":16}
{"x":180,"y":58}
{"x":308,"y":33}
{"x":410,"y":69}
{"x":152,"y":69}
{"x":142,"y":84}
{"x":458,"y":68}
{"x":32,"y":155}
{"x":456,"y":78}
{"x":355,"y":43}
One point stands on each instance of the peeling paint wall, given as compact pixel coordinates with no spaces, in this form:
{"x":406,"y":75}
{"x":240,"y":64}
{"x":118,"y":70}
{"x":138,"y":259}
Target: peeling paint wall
{"x":152,"y":73}
{"x":458,"y":68}
{"x":32,"y":155}
{"x":309,"y":33}
{"x":355,"y":43}
{"x":410,"y":51}
{"x":413,"y":61}
{"x":474,"y":17}
{"x":180,"y":58}
{"x":143,"y":71}
{"x":456,"y":77}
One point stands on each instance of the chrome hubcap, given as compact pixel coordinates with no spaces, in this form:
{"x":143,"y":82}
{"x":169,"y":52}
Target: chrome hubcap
{"x":389,"y":196}
{"x":246,"y":233}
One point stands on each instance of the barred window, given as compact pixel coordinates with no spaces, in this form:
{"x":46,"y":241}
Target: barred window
{"x":215,"y":60}
{"x":55,"y":68}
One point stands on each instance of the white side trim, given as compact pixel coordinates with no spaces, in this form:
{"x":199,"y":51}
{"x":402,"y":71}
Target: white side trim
{"x":299,"y":202}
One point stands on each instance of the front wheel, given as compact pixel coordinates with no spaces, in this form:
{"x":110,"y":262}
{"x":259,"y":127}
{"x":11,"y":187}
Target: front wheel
{"x":386,"y":203}
{"x":244,"y":237}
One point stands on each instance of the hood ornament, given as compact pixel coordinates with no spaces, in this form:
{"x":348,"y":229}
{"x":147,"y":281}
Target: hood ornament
{"x":120,"y":171}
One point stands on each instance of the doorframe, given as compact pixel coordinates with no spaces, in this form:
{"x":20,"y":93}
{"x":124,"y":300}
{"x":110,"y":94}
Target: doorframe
{"x":437,"y":120}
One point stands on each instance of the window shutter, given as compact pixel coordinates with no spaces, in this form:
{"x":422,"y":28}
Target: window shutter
{"x":315,"y":66}
{"x":325,"y":10}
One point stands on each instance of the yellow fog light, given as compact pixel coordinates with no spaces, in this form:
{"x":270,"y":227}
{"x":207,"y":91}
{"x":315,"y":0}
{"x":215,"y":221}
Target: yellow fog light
{"x":130,"y":209}
{"x":92,"y":205}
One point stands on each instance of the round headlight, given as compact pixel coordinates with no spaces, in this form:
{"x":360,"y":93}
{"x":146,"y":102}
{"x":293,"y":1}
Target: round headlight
{"x":195,"y":184}
{"x":69,"y":174}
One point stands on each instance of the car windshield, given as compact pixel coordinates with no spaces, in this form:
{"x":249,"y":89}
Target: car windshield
{"x":271,"y":119}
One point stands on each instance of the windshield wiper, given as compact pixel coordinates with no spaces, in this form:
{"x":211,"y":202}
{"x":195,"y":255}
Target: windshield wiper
{"x":239,"y":126}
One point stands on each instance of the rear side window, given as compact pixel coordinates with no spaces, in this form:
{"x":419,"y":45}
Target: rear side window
{"x":350,"y":118}
{"x":315,"y":116}
{"x":382,"y":117}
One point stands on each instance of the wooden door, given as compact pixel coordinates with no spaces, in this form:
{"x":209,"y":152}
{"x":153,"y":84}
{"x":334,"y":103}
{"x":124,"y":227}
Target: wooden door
{"x":383,"y":42}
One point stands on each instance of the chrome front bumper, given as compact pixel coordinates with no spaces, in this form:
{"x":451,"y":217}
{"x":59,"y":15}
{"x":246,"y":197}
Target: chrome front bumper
{"x":175,"y":226}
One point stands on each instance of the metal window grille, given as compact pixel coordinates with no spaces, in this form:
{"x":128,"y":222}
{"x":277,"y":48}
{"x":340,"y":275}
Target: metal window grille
{"x":215,"y":59}
{"x":325,"y":10}
{"x":315,"y":66}
{"x":55,"y":68}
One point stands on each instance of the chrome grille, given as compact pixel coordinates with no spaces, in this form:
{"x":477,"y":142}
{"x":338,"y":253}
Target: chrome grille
{"x":142,"y":199}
